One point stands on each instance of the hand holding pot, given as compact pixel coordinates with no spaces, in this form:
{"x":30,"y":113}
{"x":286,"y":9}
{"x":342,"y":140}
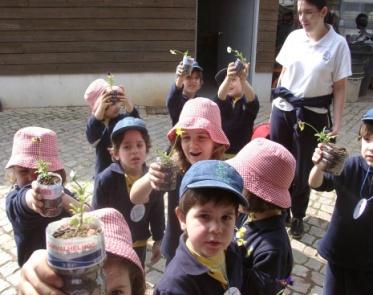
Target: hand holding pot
{"x":156,"y":176}
{"x":104,"y":101}
{"x":37,"y":277}
{"x":34,"y":199}
{"x":317,"y":154}
{"x":244,"y":72}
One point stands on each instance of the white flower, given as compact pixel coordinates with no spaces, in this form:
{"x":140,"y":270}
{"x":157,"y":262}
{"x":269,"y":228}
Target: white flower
{"x":72,"y":174}
{"x":229,"y":49}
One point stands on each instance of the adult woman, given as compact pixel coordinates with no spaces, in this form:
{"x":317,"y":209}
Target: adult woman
{"x":316,"y":62}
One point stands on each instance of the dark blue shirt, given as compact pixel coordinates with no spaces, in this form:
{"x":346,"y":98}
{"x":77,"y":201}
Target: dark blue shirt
{"x":185,"y":275}
{"x":175,"y":102}
{"x":98,"y":134}
{"x":348,"y":242}
{"x":238,"y":120}
{"x":28,"y":226}
{"x":270,"y":256}
{"x":111,"y":191}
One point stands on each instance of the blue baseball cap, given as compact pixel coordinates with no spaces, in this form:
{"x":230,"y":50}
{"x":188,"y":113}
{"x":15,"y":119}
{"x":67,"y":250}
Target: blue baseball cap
{"x":196,"y":66}
{"x":213,"y":174}
{"x":368,"y":116}
{"x":128,"y":123}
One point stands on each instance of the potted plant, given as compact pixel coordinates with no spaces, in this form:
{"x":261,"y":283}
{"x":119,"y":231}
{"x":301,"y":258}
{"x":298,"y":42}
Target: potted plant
{"x":76,"y":248}
{"x":333,"y":157}
{"x":187,"y":61}
{"x":239,"y":63}
{"x":168,"y":165}
{"x":112,"y":88}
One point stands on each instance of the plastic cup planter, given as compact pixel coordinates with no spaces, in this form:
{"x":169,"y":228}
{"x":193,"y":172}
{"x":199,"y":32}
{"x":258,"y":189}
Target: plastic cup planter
{"x":238,"y":65}
{"x":333,"y":158}
{"x":240,"y":59}
{"x":170,"y":169}
{"x":188,"y":65}
{"x":77,"y":259}
{"x":52,"y":195}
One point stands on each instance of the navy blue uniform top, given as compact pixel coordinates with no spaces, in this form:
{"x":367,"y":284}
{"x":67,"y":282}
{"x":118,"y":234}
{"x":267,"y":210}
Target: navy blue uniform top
{"x":185,"y":275}
{"x":348,"y":242}
{"x":98,"y":134}
{"x":238,"y":120}
{"x":111,"y":191}
{"x":175,"y":102}
{"x":269,"y":257}
{"x":28,"y":226}
{"x":173,"y":230}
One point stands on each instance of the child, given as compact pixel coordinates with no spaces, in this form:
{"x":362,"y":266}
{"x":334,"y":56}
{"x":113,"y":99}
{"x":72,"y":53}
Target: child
{"x":238,"y":105}
{"x":105,"y":104}
{"x":202,"y":138}
{"x":131,"y":144}
{"x":206,"y":260}
{"x":184,"y":88}
{"x":347,"y":245}
{"x":124,"y":273}
{"x":267,"y":169}
{"x":24,"y":202}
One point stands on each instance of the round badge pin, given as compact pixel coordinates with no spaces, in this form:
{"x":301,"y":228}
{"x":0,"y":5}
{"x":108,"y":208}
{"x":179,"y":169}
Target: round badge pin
{"x":137,"y":212}
{"x":232,"y":291}
{"x":360,"y":208}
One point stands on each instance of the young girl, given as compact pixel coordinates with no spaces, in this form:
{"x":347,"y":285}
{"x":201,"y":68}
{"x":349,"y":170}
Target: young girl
{"x":131,"y":144}
{"x":124,"y":273}
{"x":202,"y":138}
{"x":24,"y":202}
{"x":348,"y":242}
{"x":267,"y":169}
{"x":316,"y":63}
{"x":106,"y":104}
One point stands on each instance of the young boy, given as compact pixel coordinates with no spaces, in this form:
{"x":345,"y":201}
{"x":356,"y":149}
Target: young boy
{"x":348,"y":242}
{"x":206,"y":260}
{"x":106,"y":104}
{"x":267,"y":169}
{"x":238,"y":105}
{"x":184,"y":88}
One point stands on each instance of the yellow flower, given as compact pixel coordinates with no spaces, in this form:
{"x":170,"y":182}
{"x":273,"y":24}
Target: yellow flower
{"x":179,"y":131}
{"x":241,"y":233}
{"x":301,"y":125}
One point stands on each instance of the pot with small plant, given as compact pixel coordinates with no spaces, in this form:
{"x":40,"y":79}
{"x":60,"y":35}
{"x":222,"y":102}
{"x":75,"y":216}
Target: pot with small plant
{"x":112,"y":88}
{"x":187,"y":61}
{"x":76,"y":248}
{"x":168,"y":166}
{"x":333,"y":157}
{"x":50,"y":188}
{"x":240,"y":61}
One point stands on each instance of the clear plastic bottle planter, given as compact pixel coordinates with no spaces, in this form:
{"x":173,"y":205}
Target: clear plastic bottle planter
{"x":170,"y":169}
{"x":78,"y":260}
{"x":188,"y":65}
{"x":238,"y":65}
{"x":52,"y":196}
{"x":333,"y":158}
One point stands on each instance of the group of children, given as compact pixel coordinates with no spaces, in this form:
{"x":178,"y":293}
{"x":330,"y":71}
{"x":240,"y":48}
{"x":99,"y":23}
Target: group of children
{"x":225,"y":231}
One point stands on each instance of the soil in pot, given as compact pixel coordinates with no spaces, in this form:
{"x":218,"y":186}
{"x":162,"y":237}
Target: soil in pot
{"x":171,"y":170}
{"x":188,"y":65}
{"x":78,"y":256}
{"x":333,"y":158}
{"x":51,"y":191}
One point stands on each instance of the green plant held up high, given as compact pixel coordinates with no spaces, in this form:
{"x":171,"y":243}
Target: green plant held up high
{"x":175,"y":52}
{"x":322,"y":136}
{"x":236,"y":53}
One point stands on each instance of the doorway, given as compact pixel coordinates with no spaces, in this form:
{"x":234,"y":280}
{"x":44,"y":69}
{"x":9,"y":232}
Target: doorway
{"x":220,"y":24}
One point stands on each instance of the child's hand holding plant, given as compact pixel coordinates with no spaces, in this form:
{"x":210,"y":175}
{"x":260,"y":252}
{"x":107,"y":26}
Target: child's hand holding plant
{"x":187,"y":63}
{"x":240,"y":63}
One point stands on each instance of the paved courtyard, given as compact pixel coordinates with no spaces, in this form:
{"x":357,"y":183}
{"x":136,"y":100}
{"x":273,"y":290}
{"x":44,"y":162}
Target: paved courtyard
{"x":69,"y":124}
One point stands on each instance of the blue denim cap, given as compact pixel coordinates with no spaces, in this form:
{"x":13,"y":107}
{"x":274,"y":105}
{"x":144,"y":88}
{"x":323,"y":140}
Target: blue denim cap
{"x":213,"y":174}
{"x":129,"y":123}
{"x":196,"y":66}
{"x":368,"y":116}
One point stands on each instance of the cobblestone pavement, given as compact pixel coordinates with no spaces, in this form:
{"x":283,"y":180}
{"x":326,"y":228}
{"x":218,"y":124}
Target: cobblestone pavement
{"x":77,"y":154}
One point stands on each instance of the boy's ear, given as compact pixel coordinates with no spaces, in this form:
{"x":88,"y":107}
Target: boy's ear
{"x":182,"y":220}
{"x":114,"y":154}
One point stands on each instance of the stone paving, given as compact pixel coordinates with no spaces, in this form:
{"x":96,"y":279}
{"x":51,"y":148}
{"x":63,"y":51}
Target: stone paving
{"x":76,"y":153}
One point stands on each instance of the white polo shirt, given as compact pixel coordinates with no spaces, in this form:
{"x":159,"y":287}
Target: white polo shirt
{"x":312,"y":67}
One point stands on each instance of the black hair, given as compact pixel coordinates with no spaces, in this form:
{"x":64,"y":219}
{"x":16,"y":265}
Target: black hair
{"x":361,"y":20}
{"x":258,"y":205}
{"x":117,"y":139}
{"x":320,"y":4}
{"x":366,"y":129}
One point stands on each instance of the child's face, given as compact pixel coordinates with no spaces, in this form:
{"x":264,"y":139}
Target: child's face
{"x":132,"y":152}
{"x":192,"y":83}
{"x":209,"y":227}
{"x":197,"y":145}
{"x":117,"y":278}
{"x":235,"y":87}
{"x":113,"y":110}
{"x":24,"y":175}
{"x":367,"y":148}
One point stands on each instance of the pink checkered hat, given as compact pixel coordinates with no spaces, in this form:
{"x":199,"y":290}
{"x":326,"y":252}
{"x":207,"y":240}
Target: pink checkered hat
{"x":118,"y":239}
{"x":94,"y":91}
{"x":267,"y":169}
{"x":31,"y":144}
{"x":201,"y":113}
